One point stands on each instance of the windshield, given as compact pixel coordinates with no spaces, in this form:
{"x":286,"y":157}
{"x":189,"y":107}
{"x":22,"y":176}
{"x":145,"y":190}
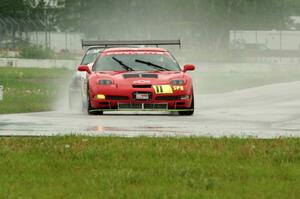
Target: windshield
{"x":136,"y":62}
{"x":90,"y":56}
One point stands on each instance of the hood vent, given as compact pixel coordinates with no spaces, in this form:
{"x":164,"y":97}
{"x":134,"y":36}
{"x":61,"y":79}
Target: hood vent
{"x":149,"y":75}
{"x":141,"y":75}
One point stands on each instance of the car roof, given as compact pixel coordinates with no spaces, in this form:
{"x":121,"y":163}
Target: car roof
{"x":135,"y":49}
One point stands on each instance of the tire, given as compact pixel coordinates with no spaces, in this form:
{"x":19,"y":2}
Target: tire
{"x":96,"y":113}
{"x":188,"y":113}
{"x":91,"y":112}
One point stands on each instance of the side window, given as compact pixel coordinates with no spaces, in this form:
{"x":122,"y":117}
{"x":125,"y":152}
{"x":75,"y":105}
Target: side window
{"x":90,"y":56}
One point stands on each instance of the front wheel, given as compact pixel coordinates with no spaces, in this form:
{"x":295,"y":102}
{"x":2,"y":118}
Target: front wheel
{"x":187,"y":113}
{"x":89,"y":108}
{"x":91,"y":111}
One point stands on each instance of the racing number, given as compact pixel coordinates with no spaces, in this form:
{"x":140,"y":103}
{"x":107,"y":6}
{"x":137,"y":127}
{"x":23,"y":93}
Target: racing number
{"x":163,"y":89}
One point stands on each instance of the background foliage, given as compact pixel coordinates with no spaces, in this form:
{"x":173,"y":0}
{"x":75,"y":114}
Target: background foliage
{"x":202,"y":23}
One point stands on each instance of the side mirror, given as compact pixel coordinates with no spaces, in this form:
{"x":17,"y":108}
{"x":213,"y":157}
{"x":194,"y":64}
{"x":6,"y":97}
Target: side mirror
{"x":84,"y":68}
{"x":188,"y":67}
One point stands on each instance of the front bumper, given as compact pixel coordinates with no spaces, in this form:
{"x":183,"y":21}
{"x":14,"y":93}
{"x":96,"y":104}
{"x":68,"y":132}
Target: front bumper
{"x":141,"y":107}
{"x":125,"y":99}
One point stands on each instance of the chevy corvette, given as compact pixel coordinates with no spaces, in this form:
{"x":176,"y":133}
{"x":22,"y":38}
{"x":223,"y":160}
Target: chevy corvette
{"x":137,"y":79}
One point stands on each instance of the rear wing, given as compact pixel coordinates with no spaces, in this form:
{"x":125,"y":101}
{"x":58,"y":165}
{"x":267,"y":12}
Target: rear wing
{"x":108,"y":44}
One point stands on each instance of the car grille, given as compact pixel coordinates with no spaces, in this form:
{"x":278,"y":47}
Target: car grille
{"x":113,"y":97}
{"x":161,"y":106}
{"x":142,"y":86}
{"x":167,"y":98}
{"x":156,"y":106}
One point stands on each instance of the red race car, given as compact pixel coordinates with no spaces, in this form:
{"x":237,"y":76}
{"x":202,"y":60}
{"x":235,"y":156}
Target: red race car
{"x":137,"y":79}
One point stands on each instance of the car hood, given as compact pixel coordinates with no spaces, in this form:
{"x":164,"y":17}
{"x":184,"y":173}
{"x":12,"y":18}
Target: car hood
{"x":140,"y":77}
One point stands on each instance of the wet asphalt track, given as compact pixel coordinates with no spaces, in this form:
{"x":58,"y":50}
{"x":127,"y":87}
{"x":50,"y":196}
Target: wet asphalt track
{"x":264,"y":112}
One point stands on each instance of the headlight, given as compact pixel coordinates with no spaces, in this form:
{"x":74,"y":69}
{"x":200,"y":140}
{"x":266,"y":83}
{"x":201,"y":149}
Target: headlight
{"x":177,"y":82}
{"x":105,"y":82}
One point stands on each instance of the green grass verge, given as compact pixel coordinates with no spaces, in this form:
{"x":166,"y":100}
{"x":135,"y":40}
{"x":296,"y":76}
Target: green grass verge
{"x":31,"y":89}
{"x":106,"y":167}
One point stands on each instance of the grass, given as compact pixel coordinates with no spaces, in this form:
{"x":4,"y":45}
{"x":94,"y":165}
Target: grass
{"x":107,"y":167}
{"x":31,"y":89}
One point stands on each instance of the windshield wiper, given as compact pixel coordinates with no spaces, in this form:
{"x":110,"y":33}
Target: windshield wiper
{"x":122,"y":64}
{"x":151,"y":64}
